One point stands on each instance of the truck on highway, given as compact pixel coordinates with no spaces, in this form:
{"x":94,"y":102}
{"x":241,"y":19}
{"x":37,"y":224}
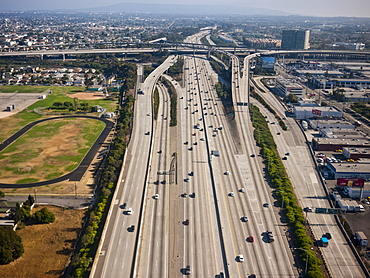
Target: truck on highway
{"x":324,"y":241}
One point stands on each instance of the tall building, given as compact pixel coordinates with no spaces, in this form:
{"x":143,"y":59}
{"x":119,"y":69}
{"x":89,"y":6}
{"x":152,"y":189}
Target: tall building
{"x":295,"y":39}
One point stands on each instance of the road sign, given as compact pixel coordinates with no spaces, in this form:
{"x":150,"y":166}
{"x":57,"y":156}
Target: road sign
{"x":332,"y":211}
{"x":321,"y":210}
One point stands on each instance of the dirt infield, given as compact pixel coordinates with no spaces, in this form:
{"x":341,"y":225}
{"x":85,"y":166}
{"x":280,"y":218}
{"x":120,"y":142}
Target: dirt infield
{"x":88,"y":95}
{"x":46,"y":246}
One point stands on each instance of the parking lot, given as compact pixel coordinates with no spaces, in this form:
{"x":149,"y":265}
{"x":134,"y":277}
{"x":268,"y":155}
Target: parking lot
{"x":19,"y":100}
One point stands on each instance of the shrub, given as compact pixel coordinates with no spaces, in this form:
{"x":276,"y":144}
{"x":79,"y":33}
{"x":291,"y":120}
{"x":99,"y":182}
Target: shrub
{"x":44,"y":216}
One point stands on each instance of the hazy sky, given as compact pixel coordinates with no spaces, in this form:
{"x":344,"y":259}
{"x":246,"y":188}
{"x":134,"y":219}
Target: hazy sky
{"x":358,"y":8}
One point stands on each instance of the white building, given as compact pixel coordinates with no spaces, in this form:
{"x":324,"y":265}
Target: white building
{"x":305,"y":112}
{"x":289,"y":86}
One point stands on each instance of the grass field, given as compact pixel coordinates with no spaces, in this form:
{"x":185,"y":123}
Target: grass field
{"x":12,"y":124}
{"x":47,"y":246}
{"x":48,"y":150}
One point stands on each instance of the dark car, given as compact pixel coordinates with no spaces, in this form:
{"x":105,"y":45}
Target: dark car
{"x":124,"y":205}
{"x":131,"y":228}
{"x":186,"y":222}
{"x":187,"y":270}
{"x":327,"y":235}
{"x":253,"y":155}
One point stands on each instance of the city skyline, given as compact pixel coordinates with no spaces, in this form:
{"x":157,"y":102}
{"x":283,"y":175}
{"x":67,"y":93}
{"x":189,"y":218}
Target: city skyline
{"x":320,"y":8}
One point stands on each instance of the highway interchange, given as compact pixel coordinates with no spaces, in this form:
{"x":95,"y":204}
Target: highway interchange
{"x":207,"y":178}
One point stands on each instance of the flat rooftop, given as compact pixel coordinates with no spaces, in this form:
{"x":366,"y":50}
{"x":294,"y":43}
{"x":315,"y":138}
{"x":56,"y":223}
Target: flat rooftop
{"x":353,"y":167}
{"x":321,"y":108}
{"x":359,"y":150}
{"x":364,"y":142}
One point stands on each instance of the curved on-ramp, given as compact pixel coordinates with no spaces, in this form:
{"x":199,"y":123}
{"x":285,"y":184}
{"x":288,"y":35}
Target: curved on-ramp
{"x":76,"y":174}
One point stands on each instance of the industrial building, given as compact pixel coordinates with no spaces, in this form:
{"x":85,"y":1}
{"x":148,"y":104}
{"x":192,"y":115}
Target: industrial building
{"x":332,"y":144}
{"x":328,"y":125}
{"x":349,"y":170}
{"x":285,"y":87}
{"x":305,"y":112}
{"x":356,"y":153}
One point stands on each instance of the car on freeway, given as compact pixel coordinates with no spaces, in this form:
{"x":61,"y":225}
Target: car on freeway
{"x":185,"y":143}
{"x":307,"y":209}
{"x":124,"y":205}
{"x":287,"y":154}
{"x":250,"y":239}
{"x":148,"y":114}
{"x":244,"y":219}
{"x":242,"y":190}
{"x":160,"y":151}
{"x":131,"y":228}
{"x":253,"y":155}
{"x":187,"y":270}
{"x":266,"y":205}
{"x":240,"y":258}
{"x":147,"y":133}
{"x":129,"y":211}
{"x":191,"y":174}
{"x":278,"y":133}
{"x":227,"y":173}
{"x":327,"y":235}
{"x":231,"y":194}
{"x":186,"y":222}
{"x":190,"y":149}
{"x":156,"y":196}
{"x":186,"y":180}
{"x":202,"y":139}
{"x":284,"y":158}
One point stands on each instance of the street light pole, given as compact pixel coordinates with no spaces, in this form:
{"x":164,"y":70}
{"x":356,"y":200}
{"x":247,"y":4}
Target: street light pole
{"x":305,"y":269}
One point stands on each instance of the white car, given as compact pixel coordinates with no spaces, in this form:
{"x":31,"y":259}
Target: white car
{"x":227,"y":173}
{"x":156,"y":196}
{"x":242,"y":190}
{"x":129,"y":211}
{"x":240,"y":258}
{"x":231,"y":194}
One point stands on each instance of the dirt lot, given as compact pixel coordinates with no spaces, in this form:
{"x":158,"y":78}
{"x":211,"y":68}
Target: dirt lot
{"x":47,"y":246}
{"x":88,"y":96}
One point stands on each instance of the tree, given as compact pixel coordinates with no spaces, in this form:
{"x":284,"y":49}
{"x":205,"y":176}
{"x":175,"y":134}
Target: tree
{"x":11,"y":247}
{"x":44,"y":216}
{"x":2,"y":194}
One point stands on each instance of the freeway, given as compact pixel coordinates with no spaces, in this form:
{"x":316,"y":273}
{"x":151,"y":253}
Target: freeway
{"x":309,"y":189}
{"x":119,"y":243}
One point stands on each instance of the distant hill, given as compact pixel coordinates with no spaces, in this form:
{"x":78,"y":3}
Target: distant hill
{"x":186,"y":9}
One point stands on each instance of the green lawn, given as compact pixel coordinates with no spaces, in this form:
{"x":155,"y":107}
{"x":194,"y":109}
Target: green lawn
{"x":48,"y":150}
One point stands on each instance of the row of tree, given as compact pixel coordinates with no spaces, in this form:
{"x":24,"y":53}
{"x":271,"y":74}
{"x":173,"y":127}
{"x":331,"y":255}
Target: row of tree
{"x":73,"y":106}
{"x":173,"y":104}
